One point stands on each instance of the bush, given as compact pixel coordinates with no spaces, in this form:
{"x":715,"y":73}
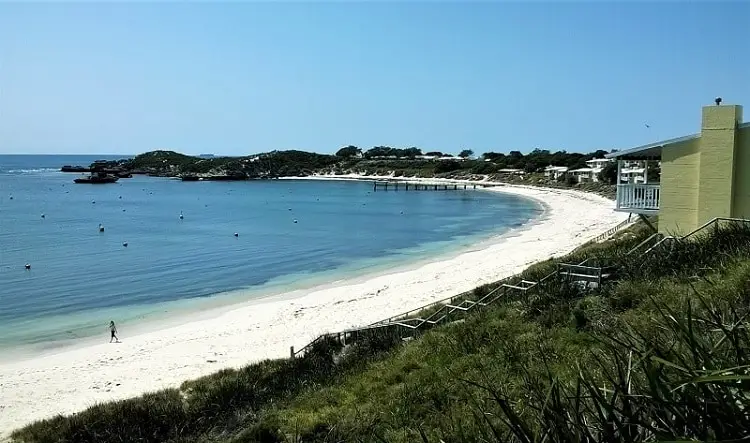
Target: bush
{"x":447,"y":166}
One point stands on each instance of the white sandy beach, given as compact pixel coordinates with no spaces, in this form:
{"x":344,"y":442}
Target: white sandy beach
{"x":73,"y":379}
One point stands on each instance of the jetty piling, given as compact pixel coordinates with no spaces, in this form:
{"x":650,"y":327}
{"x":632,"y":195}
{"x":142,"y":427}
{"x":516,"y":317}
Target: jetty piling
{"x":383,"y":185}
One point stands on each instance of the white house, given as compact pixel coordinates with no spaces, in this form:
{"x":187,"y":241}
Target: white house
{"x":510,"y":171}
{"x":586,"y":175}
{"x":555,"y":172}
{"x":598,"y":163}
{"x":634,"y":171}
{"x":592,"y":171}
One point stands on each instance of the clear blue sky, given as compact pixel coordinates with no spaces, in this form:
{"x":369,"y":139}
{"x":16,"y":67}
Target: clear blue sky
{"x":240,"y":78}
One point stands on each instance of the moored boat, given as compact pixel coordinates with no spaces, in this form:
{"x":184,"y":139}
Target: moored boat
{"x":99,"y":178}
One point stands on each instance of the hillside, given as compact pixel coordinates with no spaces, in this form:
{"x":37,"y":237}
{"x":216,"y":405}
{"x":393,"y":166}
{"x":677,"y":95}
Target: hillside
{"x":378,"y":161}
{"x":660,"y":351}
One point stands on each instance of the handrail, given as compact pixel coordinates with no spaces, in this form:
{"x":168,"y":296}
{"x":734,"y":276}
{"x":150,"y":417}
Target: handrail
{"x":446,"y":310}
{"x":611,"y":231}
{"x":713,"y":222}
{"x":639,"y":245}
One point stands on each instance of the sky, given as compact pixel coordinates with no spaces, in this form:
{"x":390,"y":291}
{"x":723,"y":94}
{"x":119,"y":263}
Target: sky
{"x":240,"y":78}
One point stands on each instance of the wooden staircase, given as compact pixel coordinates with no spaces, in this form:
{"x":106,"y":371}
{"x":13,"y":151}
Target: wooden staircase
{"x":450,"y":310}
{"x":522,"y":285}
{"x":588,"y":276}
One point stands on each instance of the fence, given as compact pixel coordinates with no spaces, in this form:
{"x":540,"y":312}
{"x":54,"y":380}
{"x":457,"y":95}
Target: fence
{"x":448,"y":309}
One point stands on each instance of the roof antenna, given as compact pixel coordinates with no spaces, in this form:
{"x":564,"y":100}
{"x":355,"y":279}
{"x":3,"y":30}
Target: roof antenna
{"x":718,"y":101}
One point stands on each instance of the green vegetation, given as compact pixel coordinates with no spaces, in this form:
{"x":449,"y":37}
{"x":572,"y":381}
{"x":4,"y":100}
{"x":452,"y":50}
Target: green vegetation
{"x":272,"y":164}
{"x":377,"y":161}
{"x":658,"y":353}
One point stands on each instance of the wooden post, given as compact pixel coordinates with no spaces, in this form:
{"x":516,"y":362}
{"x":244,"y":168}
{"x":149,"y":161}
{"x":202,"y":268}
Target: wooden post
{"x":291,"y":351}
{"x":407,"y":186}
{"x":386,"y":186}
{"x":436,"y":187}
{"x":455,"y":187}
{"x":396,"y":186}
{"x":475,"y":186}
{"x":464,"y":186}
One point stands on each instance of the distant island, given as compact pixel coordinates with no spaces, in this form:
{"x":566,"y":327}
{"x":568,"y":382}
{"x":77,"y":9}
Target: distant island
{"x":513,"y":167}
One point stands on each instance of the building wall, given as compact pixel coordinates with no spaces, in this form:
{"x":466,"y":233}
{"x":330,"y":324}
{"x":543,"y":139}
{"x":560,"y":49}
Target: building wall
{"x":717,"y":145}
{"x":741,"y":203}
{"x":708,"y":177}
{"x":678,"y":202}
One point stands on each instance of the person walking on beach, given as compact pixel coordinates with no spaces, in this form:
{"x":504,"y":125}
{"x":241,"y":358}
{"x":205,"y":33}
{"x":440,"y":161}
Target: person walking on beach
{"x":113,"y":331}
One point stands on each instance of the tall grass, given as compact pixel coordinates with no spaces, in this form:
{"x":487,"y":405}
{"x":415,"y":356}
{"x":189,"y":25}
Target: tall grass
{"x":222,"y":400}
{"x":636,"y":360}
{"x":687,"y":379}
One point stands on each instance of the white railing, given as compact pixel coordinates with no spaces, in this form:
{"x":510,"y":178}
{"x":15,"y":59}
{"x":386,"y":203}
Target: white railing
{"x":638,"y":197}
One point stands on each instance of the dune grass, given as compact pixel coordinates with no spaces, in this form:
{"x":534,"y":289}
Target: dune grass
{"x":662,"y":353}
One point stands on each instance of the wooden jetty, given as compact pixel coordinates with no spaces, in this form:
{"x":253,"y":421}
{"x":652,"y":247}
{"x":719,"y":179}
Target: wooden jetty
{"x":424,"y":186}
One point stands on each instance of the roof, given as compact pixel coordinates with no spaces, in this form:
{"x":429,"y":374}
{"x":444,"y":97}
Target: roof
{"x":650,"y":151}
{"x":653,"y":151}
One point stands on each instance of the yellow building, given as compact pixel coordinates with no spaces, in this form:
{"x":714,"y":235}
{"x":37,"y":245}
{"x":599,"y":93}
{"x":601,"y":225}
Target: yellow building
{"x":703,"y":176}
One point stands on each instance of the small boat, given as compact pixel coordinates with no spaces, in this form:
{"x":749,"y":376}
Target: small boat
{"x":96,"y":179}
{"x":69,"y":168}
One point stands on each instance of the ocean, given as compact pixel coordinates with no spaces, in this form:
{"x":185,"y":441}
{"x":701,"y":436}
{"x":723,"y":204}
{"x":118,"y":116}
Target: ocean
{"x":149,"y":263}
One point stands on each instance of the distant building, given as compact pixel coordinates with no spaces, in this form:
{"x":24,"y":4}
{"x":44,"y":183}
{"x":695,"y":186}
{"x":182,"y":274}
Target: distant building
{"x":598,"y":163}
{"x":555,"y":172}
{"x":510,"y":171}
{"x":590,"y":174}
{"x":633,"y":171}
{"x":586,"y":175}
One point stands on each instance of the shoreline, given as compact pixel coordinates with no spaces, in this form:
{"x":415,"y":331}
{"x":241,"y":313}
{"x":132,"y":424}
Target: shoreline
{"x":277,"y":291}
{"x":180,"y":312}
{"x":70,"y":380}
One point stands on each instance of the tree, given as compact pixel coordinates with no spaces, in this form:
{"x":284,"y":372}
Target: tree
{"x":447,"y":166}
{"x":434,"y":154}
{"x":599,"y":153}
{"x":608,"y":174}
{"x":537,"y":160}
{"x":411,"y":152}
{"x":379,"y":151}
{"x":466,"y":153}
{"x":348,"y":151}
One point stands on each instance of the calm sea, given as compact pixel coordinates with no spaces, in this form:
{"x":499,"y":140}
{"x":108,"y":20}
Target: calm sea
{"x":81,"y":278}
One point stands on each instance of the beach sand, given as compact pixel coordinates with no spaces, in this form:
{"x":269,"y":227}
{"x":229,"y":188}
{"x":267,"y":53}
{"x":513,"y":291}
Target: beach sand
{"x":74,"y":379}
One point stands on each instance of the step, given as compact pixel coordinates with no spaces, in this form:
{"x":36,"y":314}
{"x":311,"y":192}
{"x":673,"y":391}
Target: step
{"x":520,"y":288}
{"x":587,"y":277}
{"x":436,"y":321}
{"x":406,"y":325}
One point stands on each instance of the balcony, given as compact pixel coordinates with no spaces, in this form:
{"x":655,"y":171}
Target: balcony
{"x":638,"y":198}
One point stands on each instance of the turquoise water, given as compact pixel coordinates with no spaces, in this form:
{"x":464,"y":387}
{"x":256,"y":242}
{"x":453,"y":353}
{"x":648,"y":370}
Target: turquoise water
{"x":81,"y":278}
